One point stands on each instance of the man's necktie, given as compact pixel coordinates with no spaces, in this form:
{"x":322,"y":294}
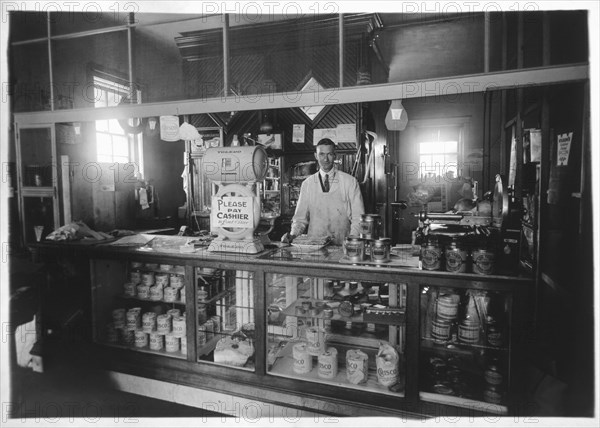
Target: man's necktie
{"x":326,"y":183}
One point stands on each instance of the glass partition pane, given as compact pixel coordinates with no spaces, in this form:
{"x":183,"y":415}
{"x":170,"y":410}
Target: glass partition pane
{"x":464,"y":355}
{"x":38,"y":219}
{"x":225,"y":312}
{"x":344,"y":333}
{"x":31,"y":77}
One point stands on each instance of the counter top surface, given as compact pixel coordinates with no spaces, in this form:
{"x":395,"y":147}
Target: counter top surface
{"x":276,"y":254}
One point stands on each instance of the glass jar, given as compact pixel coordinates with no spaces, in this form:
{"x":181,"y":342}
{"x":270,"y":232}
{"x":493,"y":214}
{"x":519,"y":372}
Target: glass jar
{"x":369,"y":226}
{"x":456,"y":257}
{"x":354,"y":248}
{"x":483,"y":260}
{"x":380,"y":250}
{"x":431,"y":255}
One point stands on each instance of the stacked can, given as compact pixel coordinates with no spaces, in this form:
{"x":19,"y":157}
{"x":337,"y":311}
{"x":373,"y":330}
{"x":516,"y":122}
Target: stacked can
{"x":129,"y":289}
{"x":161,"y":279}
{"x":179,"y":326}
{"x":163,"y":324}
{"x":149,"y":322}
{"x":494,"y":379}
{"x":172,"y":343}
{"x":447,"y":311}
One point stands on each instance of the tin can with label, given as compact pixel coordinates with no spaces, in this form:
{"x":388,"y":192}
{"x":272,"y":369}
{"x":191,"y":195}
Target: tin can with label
{"x":143,"y":291}
{"x":135,"y":277}
{"x":440,"y":330}
{"x":171,"y":343}
{"x":163,"y":323}
{"x":165,"y":267}
{"x":179,"y":326}
{"x":468,"y":331}
{"x":328,"y":363}
{"x":161,"y":279}
{"x":495,"y":336}
{"x":141,"y":339}
{"x":157,"y":341}
{"x":134,"y":321}
{"x":447,"y":306}
{"x":129,"y":289}
{"x":149,"y":322}
{"x":431,"y":255}
{"x":492,"y":375}
{"x":456,"y":257}
{"x":156,"y":293}
{"x":176,"y":281}
{"x":380,"y":250}
{"x":136,"y":265}
{"x":151,"y":266}
{"x":357,"y":366}
{"x":354,"y":248}
{"x":369,"y":226}
{"x":182,"y":295}
{"x":119,"y":317}
{"x":315,"y":338}
{"x":170,"y":294}
{"x":183,"y":343}
{"x":483,"y":261}
{"x":148,"y":278}
{"x":302,"y":359}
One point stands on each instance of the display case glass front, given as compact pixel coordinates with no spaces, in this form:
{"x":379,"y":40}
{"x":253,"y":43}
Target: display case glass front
{"x":141,"y":306}
{"x":464,"y":353}
{"x":225,"y":317}
{"x":348,"y":334}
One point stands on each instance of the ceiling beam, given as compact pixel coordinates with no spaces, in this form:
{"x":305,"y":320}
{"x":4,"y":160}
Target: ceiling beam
{"x":450,"y":86}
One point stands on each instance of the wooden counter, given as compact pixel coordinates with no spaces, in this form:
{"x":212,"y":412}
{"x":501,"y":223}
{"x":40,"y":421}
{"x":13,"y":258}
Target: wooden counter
{"x":109,"y":264}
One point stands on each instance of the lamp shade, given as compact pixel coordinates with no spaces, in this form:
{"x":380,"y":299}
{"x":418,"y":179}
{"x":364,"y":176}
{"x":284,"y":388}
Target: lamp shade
{"x":396,"y":118}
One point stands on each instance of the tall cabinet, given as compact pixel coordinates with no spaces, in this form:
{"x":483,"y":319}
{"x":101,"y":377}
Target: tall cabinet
{"x":37,"y":179}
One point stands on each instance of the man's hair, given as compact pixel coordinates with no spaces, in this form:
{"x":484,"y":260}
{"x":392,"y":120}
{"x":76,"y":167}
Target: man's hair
{"x":325,"y":142}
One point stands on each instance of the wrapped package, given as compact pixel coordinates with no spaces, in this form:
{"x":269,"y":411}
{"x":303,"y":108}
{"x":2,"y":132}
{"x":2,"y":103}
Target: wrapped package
{"x":387,"y":364}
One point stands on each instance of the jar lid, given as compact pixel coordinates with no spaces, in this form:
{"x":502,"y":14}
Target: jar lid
{"x":353,"y":238}
{"x":386,"y":241}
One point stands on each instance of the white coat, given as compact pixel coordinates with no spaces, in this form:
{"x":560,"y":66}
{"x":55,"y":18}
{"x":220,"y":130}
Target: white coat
{"x":335,"y":213}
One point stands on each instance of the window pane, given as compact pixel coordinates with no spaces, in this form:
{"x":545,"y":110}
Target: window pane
{"x":429,"y":148}
{"x":102,"y":125}
{"x":103,"y":144}
{"x":114,"y":127}
{"x":451,"y":147}
{"x":120,"y":146}
{"x":120,"y":159}
{"x":104,"y":158}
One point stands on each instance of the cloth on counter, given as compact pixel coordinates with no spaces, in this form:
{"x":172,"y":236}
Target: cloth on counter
{"x":76,"y":231}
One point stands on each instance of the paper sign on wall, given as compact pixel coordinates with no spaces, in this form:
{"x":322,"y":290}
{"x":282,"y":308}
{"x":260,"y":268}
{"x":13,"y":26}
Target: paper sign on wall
{"x":169,"y":128}
{"x":298,"y":133}
{"x":563,"y":148}
{"x":346,"y":133}
{"x":232,"y":211}
{"x":319,"y":134}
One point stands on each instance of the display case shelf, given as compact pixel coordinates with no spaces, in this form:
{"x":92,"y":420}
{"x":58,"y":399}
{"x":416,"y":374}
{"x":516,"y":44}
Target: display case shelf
{"x":174,"y":302}
{"x":178,"y":354}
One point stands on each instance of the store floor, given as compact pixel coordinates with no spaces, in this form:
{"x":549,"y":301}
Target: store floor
{"x":68,"y":388}
{"x":64,"y":393}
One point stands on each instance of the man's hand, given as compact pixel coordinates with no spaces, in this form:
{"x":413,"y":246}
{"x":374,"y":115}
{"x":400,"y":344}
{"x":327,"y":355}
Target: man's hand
{"x":288,"y":238}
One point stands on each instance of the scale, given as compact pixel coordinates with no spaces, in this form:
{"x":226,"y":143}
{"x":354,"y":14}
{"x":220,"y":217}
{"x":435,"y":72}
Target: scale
{"x":236,"y":207}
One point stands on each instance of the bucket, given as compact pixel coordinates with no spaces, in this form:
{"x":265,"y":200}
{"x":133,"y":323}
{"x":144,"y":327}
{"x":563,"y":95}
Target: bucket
{"x":235,"y":164}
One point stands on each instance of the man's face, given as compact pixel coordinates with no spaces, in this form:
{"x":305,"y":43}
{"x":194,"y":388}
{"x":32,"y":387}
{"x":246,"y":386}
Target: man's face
{"x":325,"y":156}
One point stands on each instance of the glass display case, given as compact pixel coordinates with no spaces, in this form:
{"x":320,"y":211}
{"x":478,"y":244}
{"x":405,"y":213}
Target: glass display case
{"x":299,"y":323}
{"x":344,"y":333}
{"x":225,"y":317}
{"x":464,"y":347}
{"x":141,"y":306}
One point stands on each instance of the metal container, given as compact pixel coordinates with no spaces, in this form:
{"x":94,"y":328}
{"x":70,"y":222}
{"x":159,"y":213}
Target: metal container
{"x":354,"y":248}
{"x":370,"y":225}
{"x":483,"y":261}
{"x":380,"y":250}
{"x":431,"y":255}
{"x":456,"y":257}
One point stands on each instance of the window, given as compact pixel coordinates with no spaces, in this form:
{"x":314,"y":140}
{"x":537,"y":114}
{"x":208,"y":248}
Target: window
{"x":438,"y":151}
{"x":113,"y":144}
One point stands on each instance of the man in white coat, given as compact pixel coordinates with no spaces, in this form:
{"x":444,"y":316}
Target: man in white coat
{"x":330,"y":201}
